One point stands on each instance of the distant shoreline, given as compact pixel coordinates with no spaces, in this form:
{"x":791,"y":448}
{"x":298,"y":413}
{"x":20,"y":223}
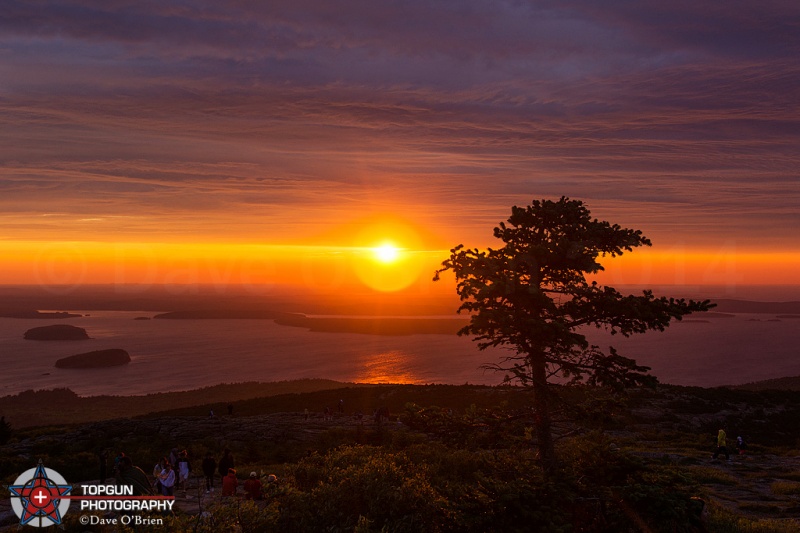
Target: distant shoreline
{"x":26,"y":408}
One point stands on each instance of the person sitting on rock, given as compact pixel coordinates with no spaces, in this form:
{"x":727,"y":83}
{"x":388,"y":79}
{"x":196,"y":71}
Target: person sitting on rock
{"x":133,"y":476}
{"x":230,"y":483}
{"x":252,"y":487}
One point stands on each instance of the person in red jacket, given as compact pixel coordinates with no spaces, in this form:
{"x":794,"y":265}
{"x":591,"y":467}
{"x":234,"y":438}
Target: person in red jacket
{"x":252,"y":487}
{"x":230,"y":483}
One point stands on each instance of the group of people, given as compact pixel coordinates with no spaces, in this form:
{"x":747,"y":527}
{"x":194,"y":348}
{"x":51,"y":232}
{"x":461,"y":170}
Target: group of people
{"x":171,"y":471}
{"x":252,"y":486}
{"x":722,"y":445}
{"x":167,"y":476}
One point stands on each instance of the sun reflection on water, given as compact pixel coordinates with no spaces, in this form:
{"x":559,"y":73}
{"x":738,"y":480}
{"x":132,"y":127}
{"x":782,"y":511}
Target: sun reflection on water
{"x":387,"y":367}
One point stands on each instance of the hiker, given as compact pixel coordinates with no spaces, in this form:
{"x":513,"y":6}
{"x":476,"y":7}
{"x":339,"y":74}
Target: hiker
{"x":271,"y":488}
{"x":721,"y":446}
{"x":381,"y":414}
{"x":117,"y":459}
{"x":225,"y":463}
{"x":167,"y":480}
{"x":184,"y":467}
{"x":133,"y":476}
{"x":173,"y":457}
{"x":252,"y":487}
{"x":102,"y":456}
{"x":230,"y":483}
{"x":209,"y":466}
{"x":230,"y":409}
{"x":157,"y":469}
{"x":741,"y":444}
{"x":341,"y":406}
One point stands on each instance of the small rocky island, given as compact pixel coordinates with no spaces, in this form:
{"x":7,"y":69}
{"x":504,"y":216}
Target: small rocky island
{"x":96,"y":359}
{"x":56,"y":332}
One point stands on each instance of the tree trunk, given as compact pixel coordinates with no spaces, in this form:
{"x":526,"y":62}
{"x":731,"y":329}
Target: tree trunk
{"x":543,"y":421}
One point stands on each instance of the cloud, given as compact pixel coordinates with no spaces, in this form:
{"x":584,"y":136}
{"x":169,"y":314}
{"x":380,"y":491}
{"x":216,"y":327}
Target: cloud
{"x":237,"y":117}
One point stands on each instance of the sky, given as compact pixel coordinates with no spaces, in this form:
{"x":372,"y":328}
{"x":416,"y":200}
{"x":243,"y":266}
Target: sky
{"x":283,"y":141}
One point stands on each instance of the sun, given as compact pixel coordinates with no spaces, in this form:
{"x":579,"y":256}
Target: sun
{"x":386,"y":253}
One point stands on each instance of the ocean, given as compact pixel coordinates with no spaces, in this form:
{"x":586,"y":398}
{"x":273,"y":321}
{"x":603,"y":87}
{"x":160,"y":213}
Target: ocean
{"x":174,"y":355}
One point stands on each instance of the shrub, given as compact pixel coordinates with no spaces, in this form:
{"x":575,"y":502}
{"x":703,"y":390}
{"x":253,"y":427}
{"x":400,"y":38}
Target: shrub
{"x":635,"y":493}
{"x":384,"y":488}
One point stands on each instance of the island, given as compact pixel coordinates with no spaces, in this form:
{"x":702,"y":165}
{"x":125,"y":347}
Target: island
{"x":37,"y":314}
{"x":96,"y":359}
{"x":56,"y":332}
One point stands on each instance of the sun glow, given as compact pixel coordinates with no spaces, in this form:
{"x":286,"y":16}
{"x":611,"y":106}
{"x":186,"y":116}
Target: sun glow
{"x":386,"y":253}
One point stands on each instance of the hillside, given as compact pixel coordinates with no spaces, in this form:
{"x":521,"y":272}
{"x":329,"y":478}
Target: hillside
{"x":32,"y":408}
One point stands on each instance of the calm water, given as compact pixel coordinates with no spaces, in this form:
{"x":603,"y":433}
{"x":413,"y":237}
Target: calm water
{"x":171,"y":355}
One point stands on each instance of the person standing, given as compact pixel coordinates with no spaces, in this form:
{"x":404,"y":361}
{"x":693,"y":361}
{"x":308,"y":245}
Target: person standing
{"x":209,"y":467}
{"x":173,"y":457}
{"x":721,"y":446}
{"x":157,"y":469}
{"x":117,"y":459}
{"x":225,"y":463}
{"x":184,"y":467}
{"x":741,"y":445}
{"x":102,"y":456}
{"x":168,"y":480}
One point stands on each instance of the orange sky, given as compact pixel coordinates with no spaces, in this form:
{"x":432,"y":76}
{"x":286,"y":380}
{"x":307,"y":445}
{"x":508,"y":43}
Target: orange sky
{"x":278,"y":142}
{"x":331,"y":268}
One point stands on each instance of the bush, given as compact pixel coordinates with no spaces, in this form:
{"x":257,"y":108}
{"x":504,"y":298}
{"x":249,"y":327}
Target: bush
{"x":631,"y":492}
{"x":383,"y":488}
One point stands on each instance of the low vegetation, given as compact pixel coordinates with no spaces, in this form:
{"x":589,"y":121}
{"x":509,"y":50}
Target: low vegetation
{"x":464,"y":458}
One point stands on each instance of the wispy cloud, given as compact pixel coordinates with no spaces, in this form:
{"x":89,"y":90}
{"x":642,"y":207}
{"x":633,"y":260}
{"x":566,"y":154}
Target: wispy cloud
{"x":268,"y":120}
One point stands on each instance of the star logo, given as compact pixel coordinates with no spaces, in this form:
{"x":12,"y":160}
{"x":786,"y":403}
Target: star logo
{"x":38,"y":497}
